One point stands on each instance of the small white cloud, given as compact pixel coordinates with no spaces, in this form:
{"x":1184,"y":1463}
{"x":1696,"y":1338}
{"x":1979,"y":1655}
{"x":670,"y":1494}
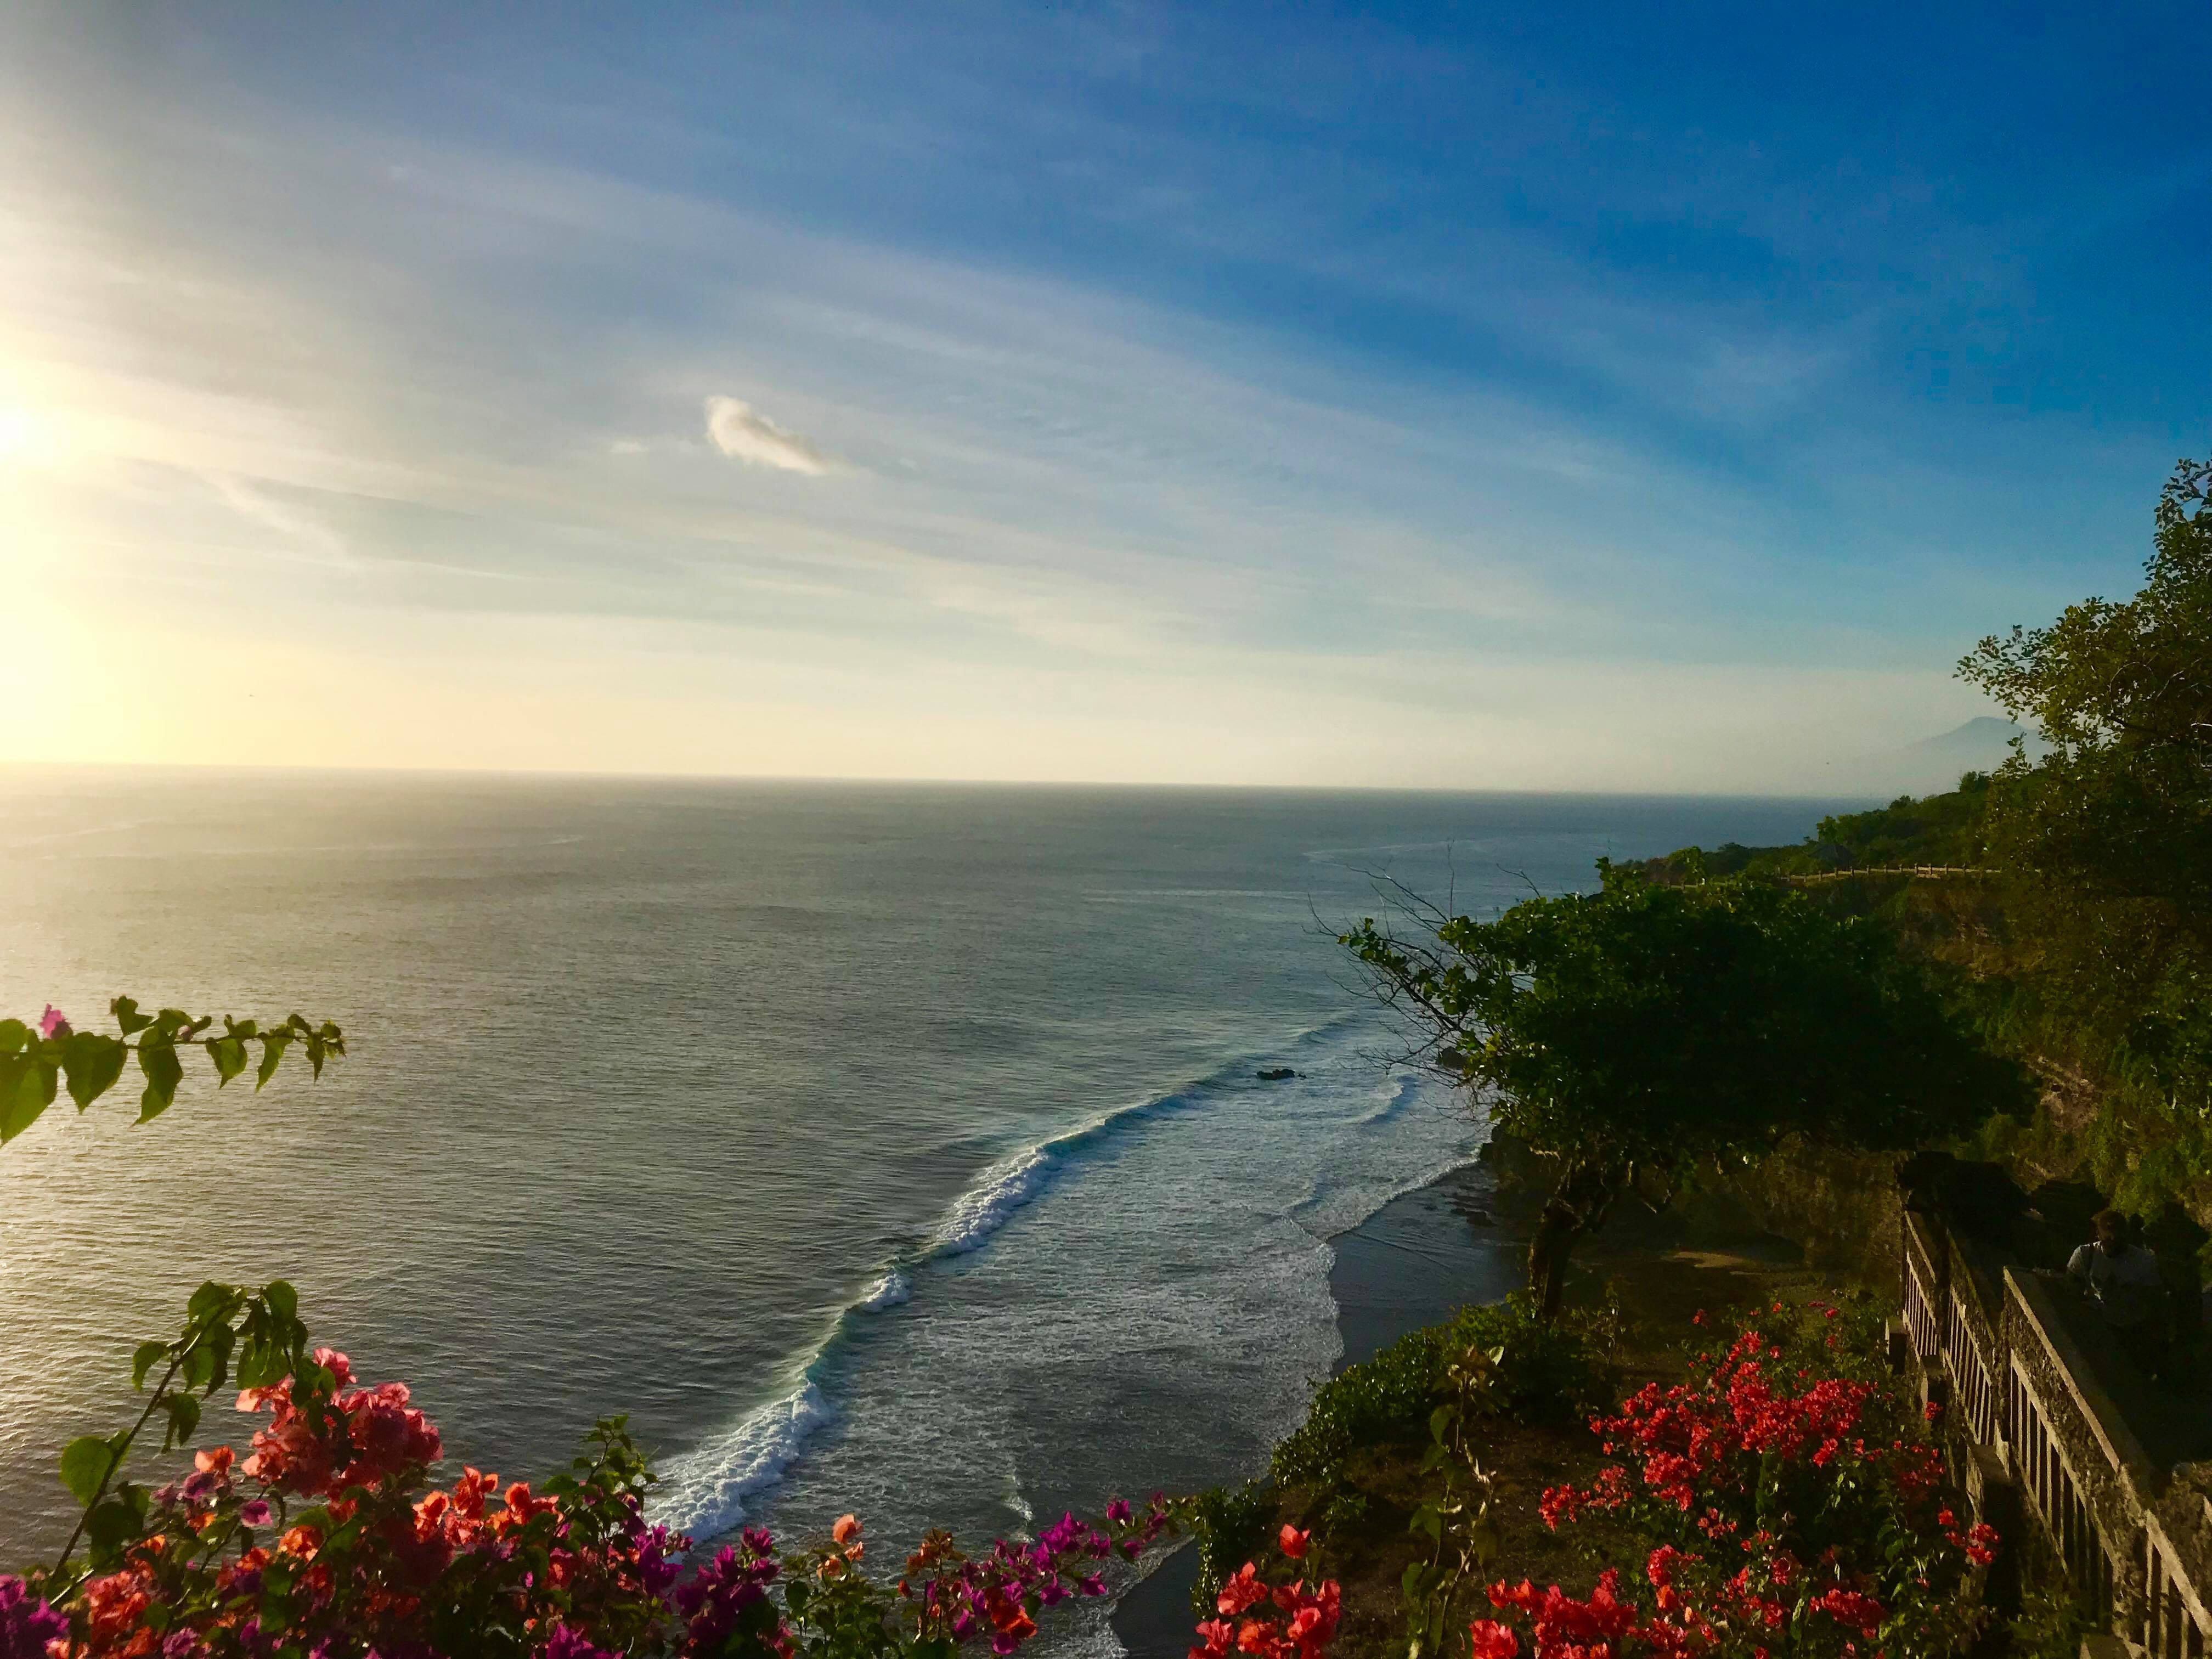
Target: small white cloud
{"x":626,"y":446}
{"x":743,"y":434}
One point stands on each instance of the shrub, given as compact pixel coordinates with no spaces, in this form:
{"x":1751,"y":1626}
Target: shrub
{"x":1793,"y":1504}
{"x":1229,"y":1524}
{"x":325,"y":1539}
{"x":1546,"y":1372}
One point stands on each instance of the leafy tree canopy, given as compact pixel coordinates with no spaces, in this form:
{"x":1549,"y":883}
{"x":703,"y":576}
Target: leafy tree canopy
{"x":1646,"y":1028}
{"x":2122,"y":808}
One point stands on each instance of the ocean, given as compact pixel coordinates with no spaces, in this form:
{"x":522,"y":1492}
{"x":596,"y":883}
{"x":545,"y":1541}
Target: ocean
{"x":887,"y":1148}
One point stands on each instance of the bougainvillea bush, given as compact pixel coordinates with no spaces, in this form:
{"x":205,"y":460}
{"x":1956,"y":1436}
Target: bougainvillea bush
{"x":1284,"y":1612}
{"x":1793,"y":1504}
{"x":325,"y":1538}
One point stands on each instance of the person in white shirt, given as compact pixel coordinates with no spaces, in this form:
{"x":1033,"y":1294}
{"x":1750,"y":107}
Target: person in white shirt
{"x":2123,"y":1279}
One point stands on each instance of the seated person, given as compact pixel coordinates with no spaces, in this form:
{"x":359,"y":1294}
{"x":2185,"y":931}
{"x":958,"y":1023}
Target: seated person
{"x":2123,"y":1279}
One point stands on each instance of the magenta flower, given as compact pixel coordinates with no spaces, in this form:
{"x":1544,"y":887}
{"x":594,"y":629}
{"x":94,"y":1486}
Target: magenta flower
{"x":254,"y":1513}
{"x":26,"y":1625}
{"x":568,"y":1644}
{"x":53,"y":1023}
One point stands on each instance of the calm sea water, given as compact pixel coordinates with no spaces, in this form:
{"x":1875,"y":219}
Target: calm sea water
{"x":895,"y":1148}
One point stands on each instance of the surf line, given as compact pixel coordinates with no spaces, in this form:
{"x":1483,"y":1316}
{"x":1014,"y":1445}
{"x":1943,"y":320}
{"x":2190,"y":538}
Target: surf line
{"x":708,"y":1487}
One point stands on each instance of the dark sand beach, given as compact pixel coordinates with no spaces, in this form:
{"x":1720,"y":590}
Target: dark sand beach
{"x":1412,"y":1262}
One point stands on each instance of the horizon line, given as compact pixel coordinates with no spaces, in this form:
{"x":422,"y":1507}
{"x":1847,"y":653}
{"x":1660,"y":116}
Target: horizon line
{"x":609,"y":775}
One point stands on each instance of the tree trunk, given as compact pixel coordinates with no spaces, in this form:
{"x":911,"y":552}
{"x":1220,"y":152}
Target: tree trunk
{"x":1577,"y":1208}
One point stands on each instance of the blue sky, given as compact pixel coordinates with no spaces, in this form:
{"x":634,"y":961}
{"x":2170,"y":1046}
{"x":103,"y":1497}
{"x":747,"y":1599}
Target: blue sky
{"x":1605,"y":396}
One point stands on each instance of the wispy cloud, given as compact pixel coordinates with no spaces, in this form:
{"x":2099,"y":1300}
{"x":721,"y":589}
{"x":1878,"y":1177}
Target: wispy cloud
{"x":743,"y":433}
{"x":1076,"y":528}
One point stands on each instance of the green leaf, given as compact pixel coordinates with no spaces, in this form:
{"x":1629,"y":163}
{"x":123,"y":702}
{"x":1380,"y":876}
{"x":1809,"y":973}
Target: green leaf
{"x":30,"y":1085}
{"x":272,"y":1053}
{"x":127,"y":1016}
{"x":283,"y":1300}
{"x":20,"y":1096}
{"x":183,"y":1411}
{"x":261,"y":1366}
{"x":164,"y":1071}
{"x":87,"y":1462}
{"x":92,"y":1063}
{"x":212,"y":1300}
{"x":149,"y":1354}
{"x":315,"y":1051}
{"x":15,"y":1037}
{"x":114,"y":1524}
{"x":229,"y":1054}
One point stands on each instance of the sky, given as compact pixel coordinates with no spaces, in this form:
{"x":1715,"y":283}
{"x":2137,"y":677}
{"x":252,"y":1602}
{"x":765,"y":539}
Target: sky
{"x":1470,"y":397}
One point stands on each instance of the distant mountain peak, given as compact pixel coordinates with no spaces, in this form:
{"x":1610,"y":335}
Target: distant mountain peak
{"x":1932,"y":766}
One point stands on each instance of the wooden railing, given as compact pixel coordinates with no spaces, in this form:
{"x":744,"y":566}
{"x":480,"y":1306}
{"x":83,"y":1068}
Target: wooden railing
{"x":1923,"y":871}
{"x":2043,"y":1443}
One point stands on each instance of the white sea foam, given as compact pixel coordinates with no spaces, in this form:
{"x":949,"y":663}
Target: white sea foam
{"x":1009,"y":1184}
{"x":890,"y":1377}
{"x":893,"y":1288}
{"x":988,"y":1206}
{"x":1406,"y":1088}
{"x":707,"y":1489}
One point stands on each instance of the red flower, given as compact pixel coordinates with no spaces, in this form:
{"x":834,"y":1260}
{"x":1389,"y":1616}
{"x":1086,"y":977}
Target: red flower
{"x":1240,"y":1591}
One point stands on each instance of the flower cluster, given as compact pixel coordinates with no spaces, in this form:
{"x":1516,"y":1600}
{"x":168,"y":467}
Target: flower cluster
{"x":28,"y":1623}
{"x":322,"y":1540}
{"x":729,"y":1599}
{"x":378,"y":1438}
{"x":1273,"y":1620}
{"x":1754,"y":1612}
{"x":1790,"y":1508}
{"x":1978,"y":1542}
{"x":996,"y":1597}
{"x":1596,"y":1628}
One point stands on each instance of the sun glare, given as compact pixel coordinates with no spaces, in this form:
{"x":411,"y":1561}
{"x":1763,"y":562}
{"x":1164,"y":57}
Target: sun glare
{"x":23,"y":435}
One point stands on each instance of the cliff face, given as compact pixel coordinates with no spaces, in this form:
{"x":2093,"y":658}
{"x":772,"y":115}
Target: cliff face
{"x":1841,"y":1211}
{"x":1843,"y":1208}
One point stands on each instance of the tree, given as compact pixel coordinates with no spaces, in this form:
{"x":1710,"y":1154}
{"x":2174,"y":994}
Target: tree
{"x":1635,"y":1032}
{"x":2121,"y":809}
{"x":2106,"y":843}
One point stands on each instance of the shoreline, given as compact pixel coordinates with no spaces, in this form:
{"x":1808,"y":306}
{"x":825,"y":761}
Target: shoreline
{"x":1419,"y":1259}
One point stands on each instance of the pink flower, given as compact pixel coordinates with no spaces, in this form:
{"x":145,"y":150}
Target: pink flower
{"x":53,"y":1023}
